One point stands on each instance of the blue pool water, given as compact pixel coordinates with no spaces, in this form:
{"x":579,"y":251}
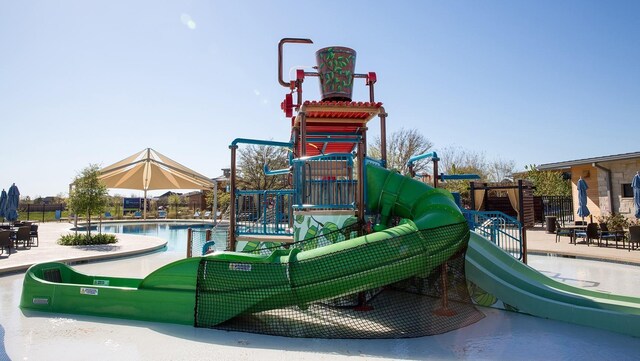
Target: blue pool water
{"x":174,"y":233}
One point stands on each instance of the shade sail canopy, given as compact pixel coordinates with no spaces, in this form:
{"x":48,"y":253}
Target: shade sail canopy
{"x":150,"y":170}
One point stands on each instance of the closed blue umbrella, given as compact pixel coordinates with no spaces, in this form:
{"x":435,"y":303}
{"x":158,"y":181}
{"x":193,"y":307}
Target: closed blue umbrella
{"x":583,"y":211}
{"x":3,"y":203}
{"x":636,"y":193}
{"x":13,"y":197}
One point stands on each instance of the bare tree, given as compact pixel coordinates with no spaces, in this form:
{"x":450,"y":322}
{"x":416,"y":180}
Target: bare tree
{"x":251,"y":167}
{"x":455,"y":160}
{"x":500,"y":170}
{"x":403,"y":145}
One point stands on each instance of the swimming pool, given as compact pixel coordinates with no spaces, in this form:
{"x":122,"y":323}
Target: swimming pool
{"x":175,"y":233}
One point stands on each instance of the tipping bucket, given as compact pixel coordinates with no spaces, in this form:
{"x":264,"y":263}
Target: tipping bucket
{"x":336,"y":65}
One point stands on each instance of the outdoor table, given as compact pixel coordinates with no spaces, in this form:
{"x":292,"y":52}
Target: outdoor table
{"x":573,"y":229}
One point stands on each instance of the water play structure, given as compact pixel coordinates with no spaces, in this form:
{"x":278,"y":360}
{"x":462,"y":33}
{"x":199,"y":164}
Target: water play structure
{"x":351,"y":250}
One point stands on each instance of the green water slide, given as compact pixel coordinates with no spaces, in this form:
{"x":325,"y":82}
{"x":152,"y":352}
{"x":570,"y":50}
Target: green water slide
{"x":218,"y":287}
{"x":526,"y":289}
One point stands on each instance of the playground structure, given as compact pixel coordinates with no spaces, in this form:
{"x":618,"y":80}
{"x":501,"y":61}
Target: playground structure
{"x":353,"y":250}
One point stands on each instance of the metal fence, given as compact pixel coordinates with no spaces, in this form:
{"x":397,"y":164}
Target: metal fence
{"x":501,"y":229}
{"x":560,"y":207}
{"x":324,"y":182}
{"x":264,"y":212}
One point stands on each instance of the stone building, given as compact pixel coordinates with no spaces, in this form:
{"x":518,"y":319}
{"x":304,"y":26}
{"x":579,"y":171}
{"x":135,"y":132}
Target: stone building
{"x":608,"y":178}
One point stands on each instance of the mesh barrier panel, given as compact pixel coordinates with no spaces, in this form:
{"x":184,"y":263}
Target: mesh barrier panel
{"x":352,"y":231}
{"x":381,"y":288}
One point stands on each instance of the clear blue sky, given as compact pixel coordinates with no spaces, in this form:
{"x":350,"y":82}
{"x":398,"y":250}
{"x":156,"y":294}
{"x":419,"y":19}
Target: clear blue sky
{"x":93,"y":82}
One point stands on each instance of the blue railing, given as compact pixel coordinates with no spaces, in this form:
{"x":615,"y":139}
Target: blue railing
{"x":264,"y":212}
{"x":501,"y":229}
{"x":324,"y":182}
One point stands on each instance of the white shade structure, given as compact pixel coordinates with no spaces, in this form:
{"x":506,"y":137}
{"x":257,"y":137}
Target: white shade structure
{"x":150,"y":170}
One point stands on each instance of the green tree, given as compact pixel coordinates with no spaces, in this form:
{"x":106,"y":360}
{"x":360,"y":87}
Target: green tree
{"x":251,"y":163}
{"x":547,"y":183}
{"x":224,"y":200}
{"x":175,"y":200}
{"x":401,"y":146}
{"x":88,"y":195}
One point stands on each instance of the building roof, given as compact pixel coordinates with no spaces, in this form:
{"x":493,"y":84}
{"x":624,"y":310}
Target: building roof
{"x":571,"y":163}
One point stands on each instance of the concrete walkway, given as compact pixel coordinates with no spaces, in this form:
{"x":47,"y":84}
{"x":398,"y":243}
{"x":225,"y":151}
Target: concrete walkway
{"x":48,"y":250}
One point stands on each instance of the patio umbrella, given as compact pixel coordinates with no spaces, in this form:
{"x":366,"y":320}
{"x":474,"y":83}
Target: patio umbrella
{"x":635,"y":184}
{"x":13,"y":197}
{"x":583,"y":211}
{"x":3,"y":204}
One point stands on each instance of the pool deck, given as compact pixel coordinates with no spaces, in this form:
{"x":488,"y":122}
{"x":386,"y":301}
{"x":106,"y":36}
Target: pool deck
{"x":49,"y":251}
{"x":538,"y":242}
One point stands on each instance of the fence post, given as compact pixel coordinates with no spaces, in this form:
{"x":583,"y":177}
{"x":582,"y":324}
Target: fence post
{"x":208,"y":235}
{"x":189,"y":242}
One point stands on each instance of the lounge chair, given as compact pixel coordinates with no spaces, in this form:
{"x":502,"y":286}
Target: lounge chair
{"x":137,"y":215}
{"x":561,"y":232}
{"x":196,"y":215}
{"x":23,"y":235}
{"x":590,"y":234}
{"x":634,"y":236}
{"x":162,"y":214}
{"x":34,"y":235}
{"x":107,"y":215}
{"x":207,"y":214}
{"x":5,"y":241}
{"x":606,"y":235}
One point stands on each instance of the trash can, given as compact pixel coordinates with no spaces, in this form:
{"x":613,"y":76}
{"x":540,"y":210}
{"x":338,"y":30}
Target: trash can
{"x":551,"y":224}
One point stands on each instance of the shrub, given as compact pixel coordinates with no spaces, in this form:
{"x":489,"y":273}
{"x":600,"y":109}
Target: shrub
{"x":614,"y":222}
{"x":86,"y":240}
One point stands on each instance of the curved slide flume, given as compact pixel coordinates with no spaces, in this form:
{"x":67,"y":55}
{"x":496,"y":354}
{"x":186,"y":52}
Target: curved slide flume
{"x":531,"y":292}
{"x":255,"y":283}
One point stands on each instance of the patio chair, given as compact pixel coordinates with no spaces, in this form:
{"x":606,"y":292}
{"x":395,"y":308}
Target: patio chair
{"x":606,"y":234}
{"x":590,"y":234}
{"x":137,"y":214}
{"x":634,"y":236}
{"x":23,"y":235}
{"x":34,"y":235}
{"x":5,"y":241}
{"x":560,"y":232}
{"x":207,"y":214}
{"x":107,"y":215}
{"x":162,"y":214}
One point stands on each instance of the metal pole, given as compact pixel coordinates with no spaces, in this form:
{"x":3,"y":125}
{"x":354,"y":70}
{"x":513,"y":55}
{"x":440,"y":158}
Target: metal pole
{"x":189,"y":242}
{"x":215,"y":202}
{"x":360,"y":183}
{"x":303,"y":134}
{"x":435,"y":172}
{"x":521,"y":219}
{"x":232,"y":195}
{"x":383,"y":136}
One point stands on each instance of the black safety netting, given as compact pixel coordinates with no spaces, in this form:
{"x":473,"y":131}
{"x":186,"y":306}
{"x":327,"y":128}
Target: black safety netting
{"x":353,"y":230}
{"x":390,"y":286}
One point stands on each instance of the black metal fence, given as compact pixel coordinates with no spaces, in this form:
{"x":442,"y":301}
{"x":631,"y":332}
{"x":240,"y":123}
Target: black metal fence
{"x":560,"y":207}
{"x":37,"y":211}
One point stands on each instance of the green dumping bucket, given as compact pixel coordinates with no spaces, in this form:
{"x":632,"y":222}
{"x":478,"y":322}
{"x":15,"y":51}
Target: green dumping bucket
{"x":336,"y":65}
